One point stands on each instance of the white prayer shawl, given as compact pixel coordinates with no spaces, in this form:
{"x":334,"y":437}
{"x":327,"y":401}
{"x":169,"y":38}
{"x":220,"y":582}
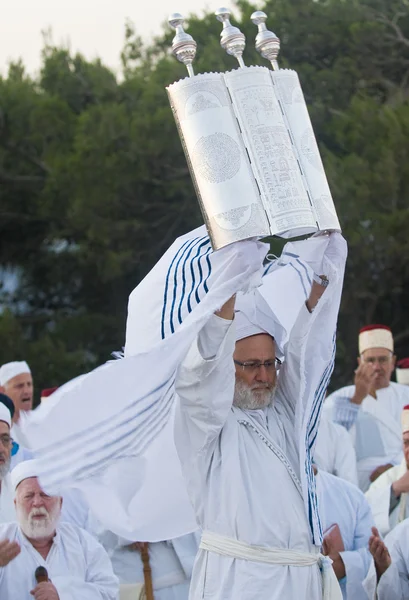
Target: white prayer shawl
{"x":130,"y":460}
{"x":243,"y":468}
{"x":343,"y":503}
{"x":77,"y":565}
{"x":379,"y":496}
{"x":376,"y":429}
{"x":394,"y":583}
{"x":334,"y":451}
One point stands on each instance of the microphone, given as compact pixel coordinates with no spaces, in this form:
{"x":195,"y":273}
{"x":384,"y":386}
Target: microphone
{"x":41,"y":574}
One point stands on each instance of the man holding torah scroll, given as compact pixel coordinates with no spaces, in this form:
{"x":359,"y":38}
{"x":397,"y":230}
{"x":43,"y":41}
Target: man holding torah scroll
{"x":246,"y":423}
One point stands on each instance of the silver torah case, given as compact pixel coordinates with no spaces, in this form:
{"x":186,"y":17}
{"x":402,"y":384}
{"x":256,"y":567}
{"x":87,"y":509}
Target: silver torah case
{"x":247,"y":177}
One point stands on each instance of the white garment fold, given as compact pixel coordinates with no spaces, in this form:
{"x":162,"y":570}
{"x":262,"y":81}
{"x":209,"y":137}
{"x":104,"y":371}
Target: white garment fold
{"x":225,"y":546}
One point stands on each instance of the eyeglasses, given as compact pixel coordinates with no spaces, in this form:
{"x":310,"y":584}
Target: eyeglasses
{"x":5,"y":439}
{"x":255,"y":365}
{"x":382,"y":360}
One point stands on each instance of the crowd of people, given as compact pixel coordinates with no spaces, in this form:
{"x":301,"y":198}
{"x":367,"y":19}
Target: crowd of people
{"x":276,"y":517}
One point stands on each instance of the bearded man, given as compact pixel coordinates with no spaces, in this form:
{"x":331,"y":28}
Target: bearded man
{"x":237,"y":424}
{"x":74,"y":564}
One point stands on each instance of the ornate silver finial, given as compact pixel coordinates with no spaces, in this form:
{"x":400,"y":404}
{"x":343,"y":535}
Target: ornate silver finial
{"x":232,"y":39}
{"x":183,"y":45}
{"x":267,"y":43}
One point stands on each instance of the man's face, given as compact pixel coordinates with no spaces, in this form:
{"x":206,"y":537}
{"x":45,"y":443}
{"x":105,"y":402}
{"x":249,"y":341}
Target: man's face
{"x":5,"y":449}
{"x":37,"y":513}
{"x":383,"y":363}
{"x":20,"y":390}
{"x":406,"y":447}
{"x":255,"y":385}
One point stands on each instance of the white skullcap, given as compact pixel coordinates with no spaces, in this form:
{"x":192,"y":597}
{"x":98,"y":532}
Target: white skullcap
{"x":244,"y":327}
{"x":5,"y":414}
{"x":24,"y":470}
{"x":12,"y":369}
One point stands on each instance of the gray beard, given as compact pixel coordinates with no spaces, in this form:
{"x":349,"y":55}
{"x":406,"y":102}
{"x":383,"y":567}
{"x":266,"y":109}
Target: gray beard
{"x":247,"y":398}
{"x":4,"y":469}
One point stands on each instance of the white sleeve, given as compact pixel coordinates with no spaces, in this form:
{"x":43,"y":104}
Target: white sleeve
{"x":205,"y":387}
{"x":358,"y":560}
{"x":100,"y":582}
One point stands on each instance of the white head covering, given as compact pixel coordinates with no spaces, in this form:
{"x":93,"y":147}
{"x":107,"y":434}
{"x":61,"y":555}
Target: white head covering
{"x":375,"y":336}
{"x":244,"y":327}
{"x":24,"y":470}
{"x":5,"y":414}
{"x":12,"y":369}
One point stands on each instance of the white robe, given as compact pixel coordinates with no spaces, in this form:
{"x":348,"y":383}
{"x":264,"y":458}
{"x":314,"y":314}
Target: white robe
{"x":375,"y":426}
{"x":343,"y":503}
{"x":379,"y":496}
{"x":394,"y":583}
{"x":334,"y":451}
{"x":171,"y":563}
{"x":237,"y":484}
{"x":7,"y":510}
{"x":77,"y":565}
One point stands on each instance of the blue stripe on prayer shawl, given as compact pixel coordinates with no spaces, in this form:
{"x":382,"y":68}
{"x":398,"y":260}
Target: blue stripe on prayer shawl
{"x":192,"y":273}
{"x":312,"y":431}
{"x":305,"y":269}
{"x":209,"y":266}
{"x":159,"y":411}
{"x":165,"y":293}
{"x":301,"y":278}
{"x":266,"y":270}
{"x":175,"y":280}
{"x":185,"y":263}
{"x":290,"y":254}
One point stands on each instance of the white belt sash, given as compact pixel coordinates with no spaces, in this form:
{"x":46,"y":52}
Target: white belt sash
{"x":225,"y":546}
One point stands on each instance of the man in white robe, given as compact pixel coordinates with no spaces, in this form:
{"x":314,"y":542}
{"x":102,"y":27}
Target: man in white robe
{"x":388,"y":495}
{"x":16,"y":382}
{"x":391,"y":559}
{"x":371,"y":408}
{"x":347,"y":521}
{"x":77,"y":566}
{"x":334,"y":451}
{"x":236,"y":436}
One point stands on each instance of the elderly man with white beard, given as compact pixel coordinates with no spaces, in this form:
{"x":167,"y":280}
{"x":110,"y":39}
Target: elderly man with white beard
{"x":75,"y":566}
{"x":237,"y":435}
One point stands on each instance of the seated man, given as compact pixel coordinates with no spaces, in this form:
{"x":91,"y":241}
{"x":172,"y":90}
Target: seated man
{"x":75,"y":566}
{"x":346,"y":520}
{"x":391,"y":559}
{"x":388,"y":495}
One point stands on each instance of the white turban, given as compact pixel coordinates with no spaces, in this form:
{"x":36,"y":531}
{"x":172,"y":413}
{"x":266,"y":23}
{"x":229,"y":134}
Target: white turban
{"x":12,"y":369}
{"x":24,"y":470}
{"x":244,"y":327}
{"x":5,"y":414}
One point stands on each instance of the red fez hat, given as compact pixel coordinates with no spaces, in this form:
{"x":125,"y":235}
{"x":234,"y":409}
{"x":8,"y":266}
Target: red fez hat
{"x":48,"y":391}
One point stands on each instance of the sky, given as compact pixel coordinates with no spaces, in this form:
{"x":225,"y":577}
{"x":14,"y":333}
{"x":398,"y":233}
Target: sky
{"x":93,"y":27}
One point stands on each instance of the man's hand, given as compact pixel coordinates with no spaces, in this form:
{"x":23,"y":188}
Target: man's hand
{"x":227,"y":310}
{"x":45,"y":591}
{"x":316,"y":292}
{"x":378,"y":471}
{"x":380,"y":553}
{"x":401,"y":485}
{"x":8,"y":552}
{"x":364,"y":378}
